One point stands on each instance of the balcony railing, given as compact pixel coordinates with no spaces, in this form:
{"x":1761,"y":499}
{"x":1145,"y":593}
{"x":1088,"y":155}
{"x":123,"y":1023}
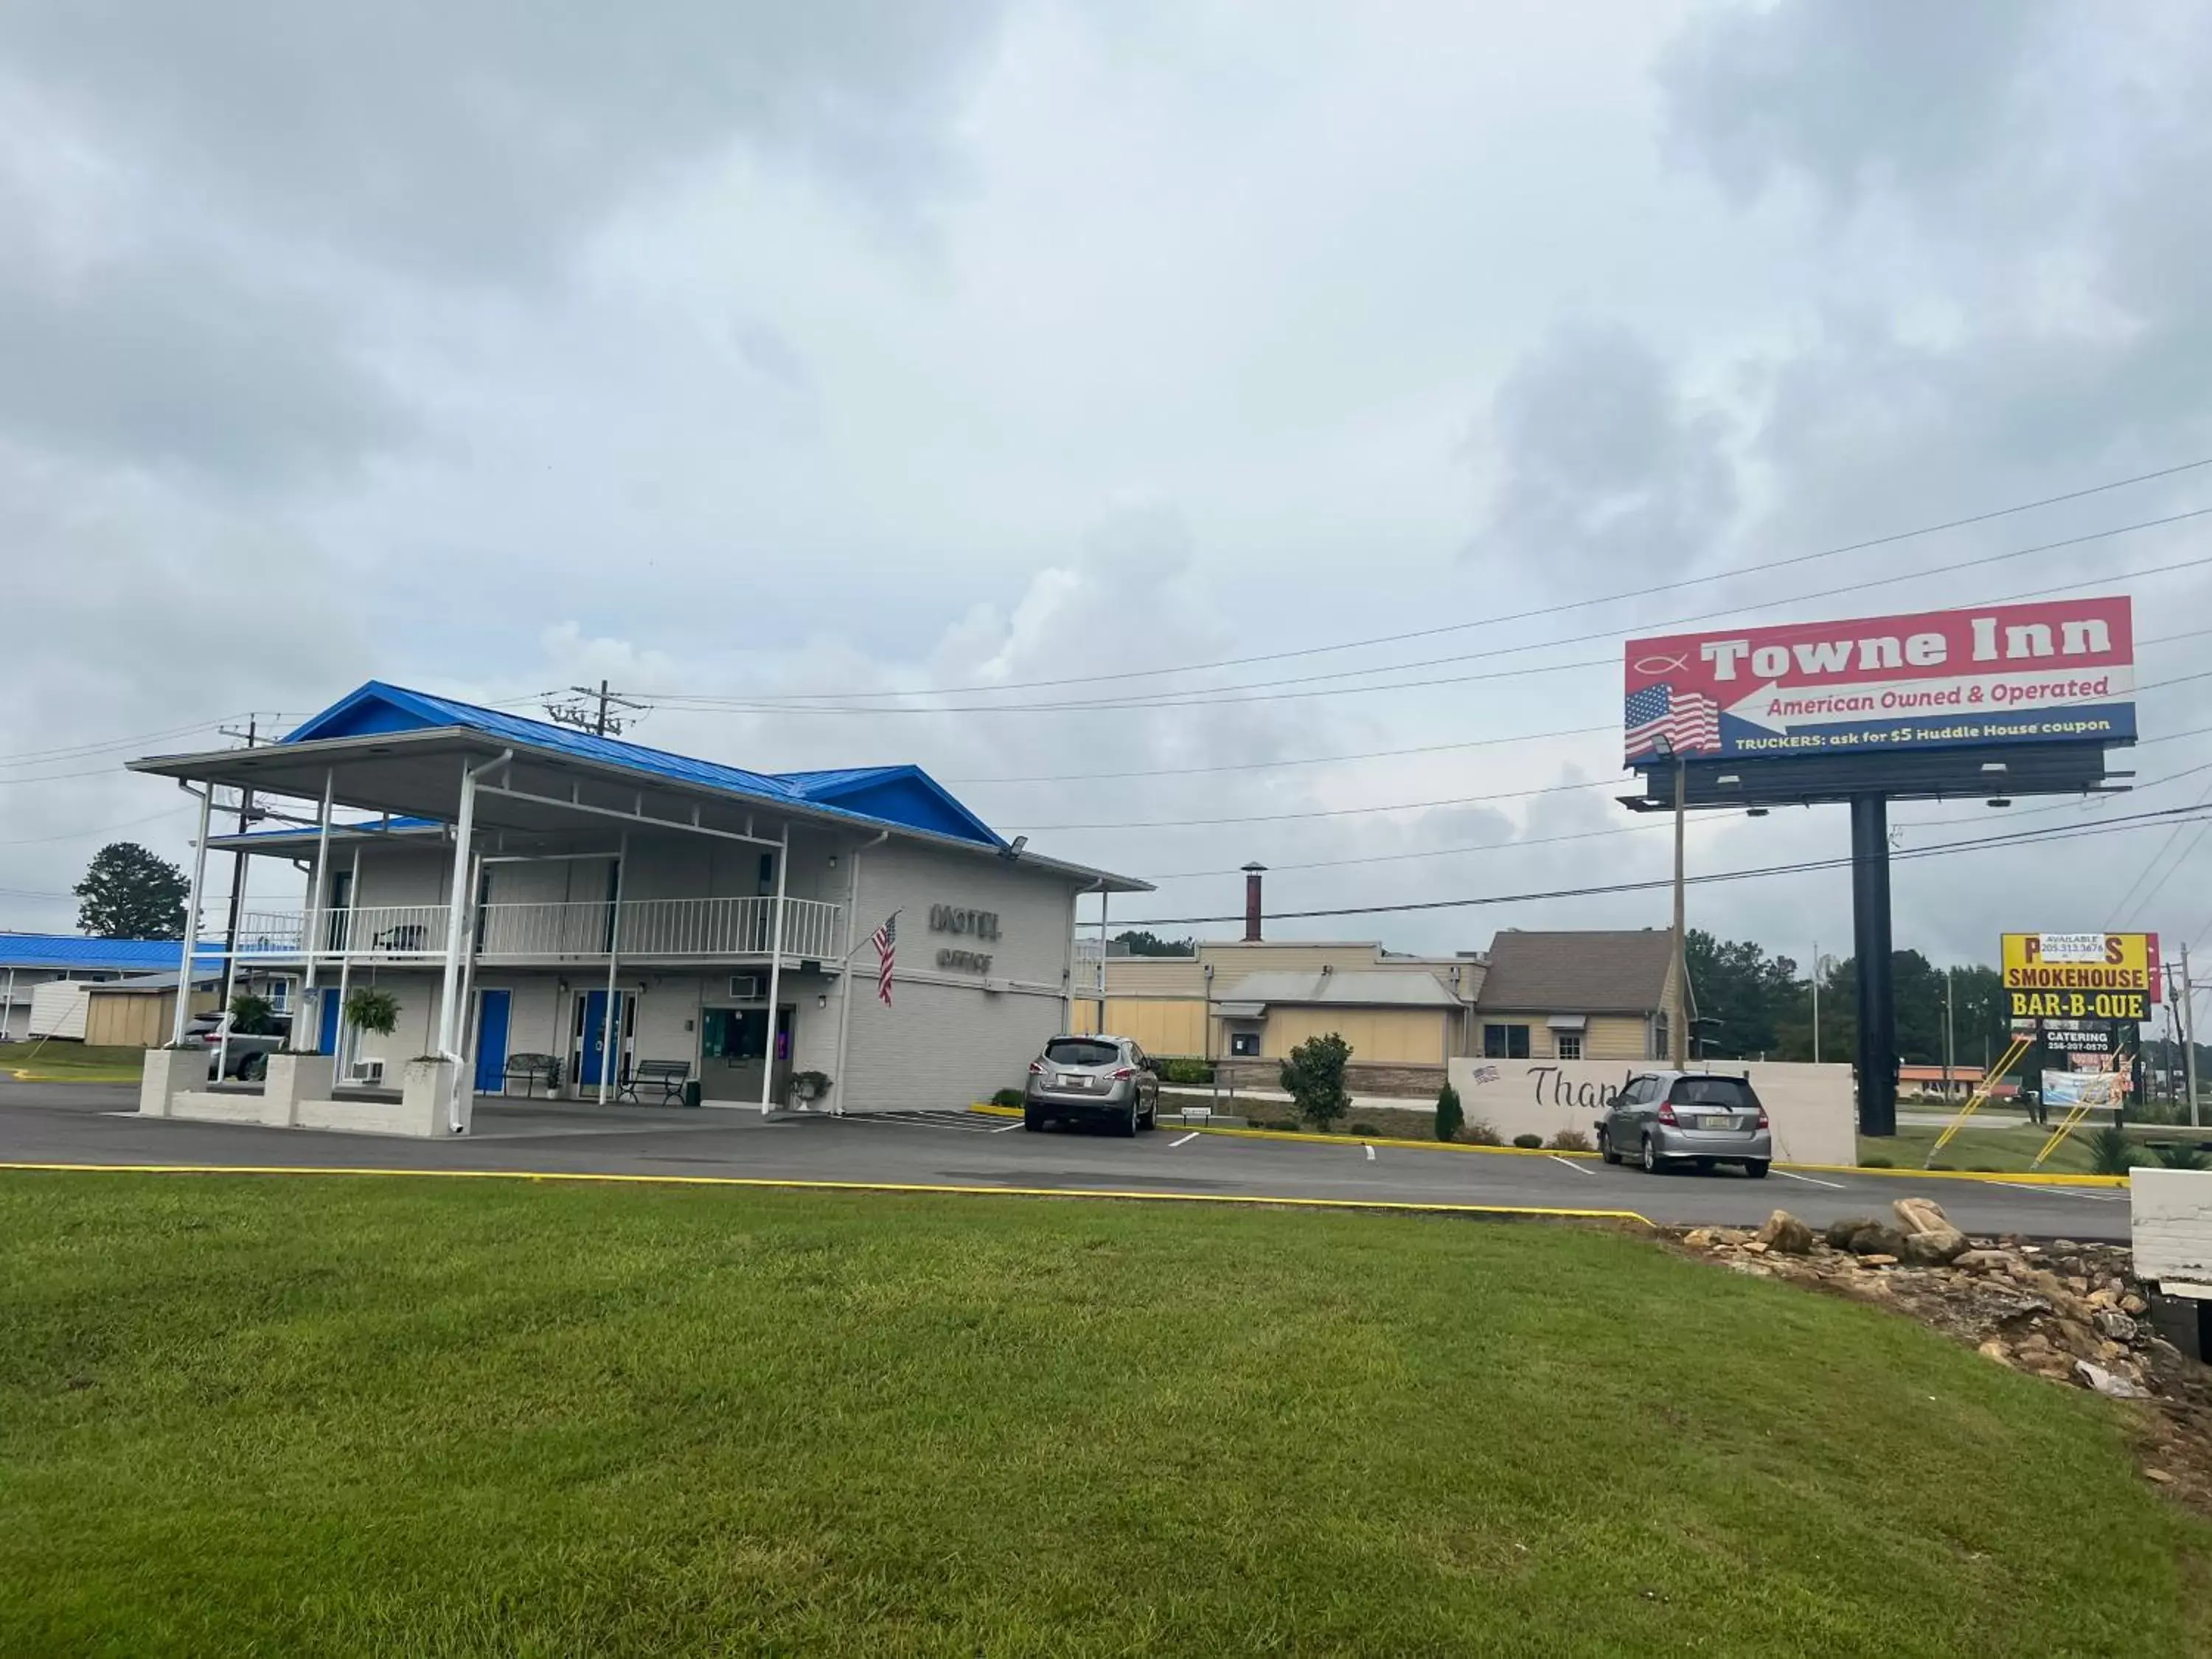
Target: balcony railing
{"x":698,"y":928}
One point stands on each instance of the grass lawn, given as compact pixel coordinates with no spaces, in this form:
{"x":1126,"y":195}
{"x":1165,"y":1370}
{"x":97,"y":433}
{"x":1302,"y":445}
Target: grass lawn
{"x":2006,"y":1149}
{"x":71,"y":1062}
{"x":404,"y":1416}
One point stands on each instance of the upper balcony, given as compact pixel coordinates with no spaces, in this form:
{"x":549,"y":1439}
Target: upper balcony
{"x":554,"y":935}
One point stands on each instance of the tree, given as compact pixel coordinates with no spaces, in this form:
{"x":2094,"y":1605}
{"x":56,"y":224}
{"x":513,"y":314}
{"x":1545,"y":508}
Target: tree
{"x":1450,"y":1119}
{"x":251,"y":1015}
{"x":1747,"y":994}
{"x":1313,"y":1077}
{"x":129,"y":893}
{"x":1144,"y":943}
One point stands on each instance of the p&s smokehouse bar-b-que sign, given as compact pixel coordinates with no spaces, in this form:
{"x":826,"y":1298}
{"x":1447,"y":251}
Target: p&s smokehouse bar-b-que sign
{"x":2080,"y":976}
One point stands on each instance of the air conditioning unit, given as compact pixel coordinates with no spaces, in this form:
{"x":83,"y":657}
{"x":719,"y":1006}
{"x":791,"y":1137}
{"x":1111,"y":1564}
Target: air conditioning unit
{"x":365,"y":1071}
{"x":747,"y":987}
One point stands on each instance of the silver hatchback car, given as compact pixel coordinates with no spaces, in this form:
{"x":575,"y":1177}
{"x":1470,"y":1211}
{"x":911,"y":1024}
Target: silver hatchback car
{"x":1091,"y":1079}
{"x":1665,"y":1119}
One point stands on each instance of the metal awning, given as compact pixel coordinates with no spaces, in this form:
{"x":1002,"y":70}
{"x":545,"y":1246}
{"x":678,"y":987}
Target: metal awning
{"x":1241,"y":1010}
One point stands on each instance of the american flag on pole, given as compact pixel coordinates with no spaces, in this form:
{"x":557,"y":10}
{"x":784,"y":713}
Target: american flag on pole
{"x":885,"y":939}
{"x":1690,"y":721}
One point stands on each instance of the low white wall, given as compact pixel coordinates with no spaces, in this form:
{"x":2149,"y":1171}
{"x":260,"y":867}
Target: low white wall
{"x":2171,"y":1213}
{"x":208,"y":1107}
{"x":1811,"y":1108}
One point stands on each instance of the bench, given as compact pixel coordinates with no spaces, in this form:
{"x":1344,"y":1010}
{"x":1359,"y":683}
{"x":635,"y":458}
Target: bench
{"x":530,"y":1070}
{"x":671,"y":1074}
{"x":407,"y":937}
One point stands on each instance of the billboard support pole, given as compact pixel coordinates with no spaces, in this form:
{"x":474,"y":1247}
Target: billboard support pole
{"x":1877,"y":1006}
{"x":2188,"y":1038}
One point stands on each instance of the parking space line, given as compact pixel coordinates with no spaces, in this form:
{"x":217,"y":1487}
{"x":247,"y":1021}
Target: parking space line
{"x":1835,"y":1186}
{"x":1571,"y":1164}
{"x":2065,"y":1192}
{"x":1185,"y":1141}
{"x":1001,"y":1130}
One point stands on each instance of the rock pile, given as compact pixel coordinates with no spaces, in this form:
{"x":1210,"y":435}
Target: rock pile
{"x":2070,"y":1312}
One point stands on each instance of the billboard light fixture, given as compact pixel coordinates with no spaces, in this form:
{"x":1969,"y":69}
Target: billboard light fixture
{"x":1993,"y":766}
{"x":1755,"y":812}
{"x":1998,"y":800}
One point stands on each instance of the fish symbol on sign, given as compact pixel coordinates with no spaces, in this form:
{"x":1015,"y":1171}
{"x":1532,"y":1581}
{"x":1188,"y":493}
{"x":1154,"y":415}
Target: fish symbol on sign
{"x":1660,"y":665}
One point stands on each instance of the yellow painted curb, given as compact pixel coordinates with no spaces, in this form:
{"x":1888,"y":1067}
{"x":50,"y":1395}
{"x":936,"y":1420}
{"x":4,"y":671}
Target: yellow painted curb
{"x":2035,"y":1179}
{"x":775,"y":1183}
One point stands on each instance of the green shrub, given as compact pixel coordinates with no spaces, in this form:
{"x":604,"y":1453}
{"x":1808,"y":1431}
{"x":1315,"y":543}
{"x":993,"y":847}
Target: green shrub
{"x":1876,"y":1161}
{"x":1364,"y":1127}
{"x":1528,"y":1143}
{"x":1187,"y":1072}
{"x":1482,"y":1134}
{"x":1449,"y":1118}
{"x":251,"y":1015}
{"x":1571,"y":1140}
{"x":1008,"y":1098}
{"x":2111,"y":1151}
{"x":1313,"y":1077}
{"x":2178,"y":1157}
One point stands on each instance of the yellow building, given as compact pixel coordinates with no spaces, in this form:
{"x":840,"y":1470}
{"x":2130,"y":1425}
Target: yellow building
{"x":1593,"y":995}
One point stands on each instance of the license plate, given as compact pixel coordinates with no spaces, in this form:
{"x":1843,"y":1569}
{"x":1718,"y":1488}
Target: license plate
{"x":1721,"y":1122}
{"x":1069,"y":1080}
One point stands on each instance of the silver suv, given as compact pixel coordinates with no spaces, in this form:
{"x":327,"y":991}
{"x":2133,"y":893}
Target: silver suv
{"x":1664,"y":1118}
{"x":1091,"y":1079}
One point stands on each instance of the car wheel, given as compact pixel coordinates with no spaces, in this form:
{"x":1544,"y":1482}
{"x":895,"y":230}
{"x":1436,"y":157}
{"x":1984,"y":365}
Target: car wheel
{"x":254,"y":1068}
{"x":1652,"y":1164}
{"x":1756,"y":1169}
{"x":1033,"y":1121}
{"x":1126,"y":1127}
{"x":1605,"y":1148}
{"x":1151,"y":1117}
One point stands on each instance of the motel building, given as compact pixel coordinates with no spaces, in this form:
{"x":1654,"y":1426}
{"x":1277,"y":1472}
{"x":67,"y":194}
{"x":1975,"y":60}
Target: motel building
{"x":558,"y":913}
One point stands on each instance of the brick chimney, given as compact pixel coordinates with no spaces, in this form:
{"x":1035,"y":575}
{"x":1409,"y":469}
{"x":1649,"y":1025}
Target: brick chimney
{"x":1252,"y":874}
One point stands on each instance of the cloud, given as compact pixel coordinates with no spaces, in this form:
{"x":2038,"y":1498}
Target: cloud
{"x":1602,"y":465}
{"x":478,"y":140}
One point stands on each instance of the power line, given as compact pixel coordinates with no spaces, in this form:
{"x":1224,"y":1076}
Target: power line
{"x":2024,"y":838}
{"x":705,"y":704}
{"x":103,"y":829}
{"x":1552,"y":610}
{"x":76,"y":751}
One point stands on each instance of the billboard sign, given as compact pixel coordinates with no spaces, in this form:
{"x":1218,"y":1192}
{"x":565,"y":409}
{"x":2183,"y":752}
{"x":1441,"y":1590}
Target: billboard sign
{"x":2073,"y":977}
{"x":2055,"y":671}
{"x":2083,"y":1089}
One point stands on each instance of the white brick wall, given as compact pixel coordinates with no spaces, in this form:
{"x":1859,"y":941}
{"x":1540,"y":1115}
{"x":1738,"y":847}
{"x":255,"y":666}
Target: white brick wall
{"x":2172,"y":1215}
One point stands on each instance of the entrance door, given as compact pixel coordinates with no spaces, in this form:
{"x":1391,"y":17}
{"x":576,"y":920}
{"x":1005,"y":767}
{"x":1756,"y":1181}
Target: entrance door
{"x":326,"y":1039}
{"x":732,"y":1044}
{"x":493,"y":1008}
{"x":590,"y":1053}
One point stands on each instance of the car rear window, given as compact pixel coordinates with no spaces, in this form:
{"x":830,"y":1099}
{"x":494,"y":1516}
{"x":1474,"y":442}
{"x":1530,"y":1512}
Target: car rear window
{"x":1713,"y":1092}
{"x":1081,"y":1051}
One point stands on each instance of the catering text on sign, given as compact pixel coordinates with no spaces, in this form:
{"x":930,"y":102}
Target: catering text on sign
{"x":2052,"y":671}
{"x":2080,"y":976}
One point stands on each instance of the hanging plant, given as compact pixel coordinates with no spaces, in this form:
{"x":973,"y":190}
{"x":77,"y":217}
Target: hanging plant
{"x":367,"y":1009}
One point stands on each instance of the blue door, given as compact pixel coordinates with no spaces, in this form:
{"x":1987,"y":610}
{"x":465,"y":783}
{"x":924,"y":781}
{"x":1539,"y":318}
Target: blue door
{"x":595,"y":1034}
{"x":492,"y":1009}
{"x":327,"y":1041}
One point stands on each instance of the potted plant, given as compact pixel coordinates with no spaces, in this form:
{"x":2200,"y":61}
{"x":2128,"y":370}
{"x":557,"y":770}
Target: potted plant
{"x":806,"y":1087}
{"x":367,"y":1009}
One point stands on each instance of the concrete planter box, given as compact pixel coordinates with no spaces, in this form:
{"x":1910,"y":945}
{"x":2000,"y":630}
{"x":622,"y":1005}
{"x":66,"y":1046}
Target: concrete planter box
{"x":291,"y":1078}
{"x":169,"y":1072}
{"x":426,"y":1098}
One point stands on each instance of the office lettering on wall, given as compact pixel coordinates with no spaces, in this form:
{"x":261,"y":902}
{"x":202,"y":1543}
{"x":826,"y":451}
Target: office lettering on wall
{"x":967,"y":923}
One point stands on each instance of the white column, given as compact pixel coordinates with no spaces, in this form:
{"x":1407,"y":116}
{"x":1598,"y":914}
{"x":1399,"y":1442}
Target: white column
{"x":450,"y":990}
{"x":314,"y":939}
{"x":610,"y":1026}
{"x":191,"y":920}
{"x":775,"y":973}
{"x":1103,"y":898}
{"x":7,"y":1009}
{"x":345,"y":971}
{"x":470,"y":1033}
{"x":230,"y":964}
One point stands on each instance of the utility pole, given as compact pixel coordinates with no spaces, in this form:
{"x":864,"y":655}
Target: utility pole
{"x":251,"y":736}
{"x":2189,"y":1039}
{"x":592,"y":715}
{"x":1816,"y":1002}
{"x":1950,"y":1042}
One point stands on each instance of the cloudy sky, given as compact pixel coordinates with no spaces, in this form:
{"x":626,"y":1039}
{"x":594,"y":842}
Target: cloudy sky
{"x":740,"y":354}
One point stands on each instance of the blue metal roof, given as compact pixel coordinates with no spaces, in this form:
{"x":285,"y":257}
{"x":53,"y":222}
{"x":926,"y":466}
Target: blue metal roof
{"x":73,"y":953}
{"x":904,"y":797}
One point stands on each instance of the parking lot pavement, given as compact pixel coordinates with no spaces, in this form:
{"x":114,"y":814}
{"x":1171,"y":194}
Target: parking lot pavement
{"x":94,"y":1123}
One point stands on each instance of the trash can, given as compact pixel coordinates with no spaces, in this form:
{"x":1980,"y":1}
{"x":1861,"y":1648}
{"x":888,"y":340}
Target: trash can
{"x":691,"y":1092}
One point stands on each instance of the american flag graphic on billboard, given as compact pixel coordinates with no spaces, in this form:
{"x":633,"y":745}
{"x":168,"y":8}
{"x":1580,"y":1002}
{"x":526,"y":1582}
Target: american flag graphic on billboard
{"x":1690,"y":721}
{"x":885,"y":939}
